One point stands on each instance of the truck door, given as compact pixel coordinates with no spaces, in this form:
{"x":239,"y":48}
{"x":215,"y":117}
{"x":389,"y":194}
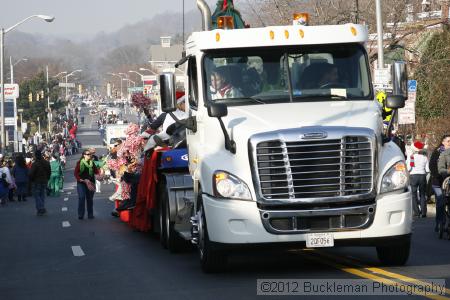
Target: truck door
{"x":193,"y":138}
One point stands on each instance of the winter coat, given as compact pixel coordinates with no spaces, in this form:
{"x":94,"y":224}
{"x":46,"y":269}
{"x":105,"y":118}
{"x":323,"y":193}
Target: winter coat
{"x":444,"y":163}
{"x":55,"y":167}
{"x":40,"y":171}
{"x":20,"y":174}
{"x":436,"y":178}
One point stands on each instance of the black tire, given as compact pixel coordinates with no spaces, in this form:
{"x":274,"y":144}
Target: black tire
{"x":396,"y":255}
{"x":161,"y":215}
{"x":174,"y":242}
{"x":441,"y":230}
{"x":212,"y":260}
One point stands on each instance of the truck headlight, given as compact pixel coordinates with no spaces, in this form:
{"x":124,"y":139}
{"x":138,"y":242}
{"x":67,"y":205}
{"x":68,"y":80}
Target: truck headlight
{"x":396,"y":178}
{"x":226,"y":185}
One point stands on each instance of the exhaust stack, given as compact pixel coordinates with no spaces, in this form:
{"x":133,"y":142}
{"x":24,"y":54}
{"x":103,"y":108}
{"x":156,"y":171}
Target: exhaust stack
{"x":206,"y":15}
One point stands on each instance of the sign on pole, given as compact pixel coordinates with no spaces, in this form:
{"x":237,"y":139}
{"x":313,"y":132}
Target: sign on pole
{"x":382,"y":78}
{"x":11,"y":91}
{"x":412,"y":86}
{"x":133,"y":90}
{"x":69,"y":85}
{"x":407,"y":114}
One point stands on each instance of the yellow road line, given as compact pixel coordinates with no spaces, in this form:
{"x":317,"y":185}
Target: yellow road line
{"x":380,"y":271}
{"x":360,"y":273}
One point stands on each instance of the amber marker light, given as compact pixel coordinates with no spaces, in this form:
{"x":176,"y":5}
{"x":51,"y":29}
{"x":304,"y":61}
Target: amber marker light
{"x":301,"y":19}
{"x":301,"y":33}
{"x":225,"y":22}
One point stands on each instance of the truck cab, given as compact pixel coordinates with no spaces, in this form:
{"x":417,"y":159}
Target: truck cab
{"x":288,"y":145}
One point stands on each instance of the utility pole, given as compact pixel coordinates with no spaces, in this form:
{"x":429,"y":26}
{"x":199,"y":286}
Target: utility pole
{"x":2,"y":87}
{"x":11,"y":69}
{"x":49,"y":113}
{"x":356,"y":7}
{"x":183,"y":24}
{"x":380,"y":34}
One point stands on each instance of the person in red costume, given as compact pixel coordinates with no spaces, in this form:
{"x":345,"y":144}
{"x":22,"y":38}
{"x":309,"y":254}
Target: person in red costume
{"x":73,"y":131}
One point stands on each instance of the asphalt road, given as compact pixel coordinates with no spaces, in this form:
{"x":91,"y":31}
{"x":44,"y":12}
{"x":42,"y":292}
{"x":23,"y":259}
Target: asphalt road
{"x":38,"y":256}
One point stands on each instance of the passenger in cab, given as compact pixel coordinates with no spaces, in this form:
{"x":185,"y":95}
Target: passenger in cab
{"x":221,"y":87}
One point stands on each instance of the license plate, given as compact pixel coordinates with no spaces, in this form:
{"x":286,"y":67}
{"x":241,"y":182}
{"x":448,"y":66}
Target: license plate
{"x":317,"y":240}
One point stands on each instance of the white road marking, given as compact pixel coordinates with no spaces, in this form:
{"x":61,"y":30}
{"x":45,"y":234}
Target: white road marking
{"x":88,"y":132}
{"x":77,"y":251}
{"x":94,"y":146}
{"x":65,"y":199}
{"x":65,"y":224}
{"x":64,"y":209}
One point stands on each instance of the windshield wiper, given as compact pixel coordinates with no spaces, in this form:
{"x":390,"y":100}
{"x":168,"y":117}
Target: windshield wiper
{"x":330,"y":96}
{"x":254,"y":99}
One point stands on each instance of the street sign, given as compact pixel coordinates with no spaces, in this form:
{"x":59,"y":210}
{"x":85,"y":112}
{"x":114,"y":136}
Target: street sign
{"x":407,"y":114}
{"x":150,"y":80}
{"x":11,"y":91}
{"x":412,"y":85}
{"x":10,"y":121}
{"x":133,"y":90}
{"x":69,"y":84}
{"x":382,"y":76}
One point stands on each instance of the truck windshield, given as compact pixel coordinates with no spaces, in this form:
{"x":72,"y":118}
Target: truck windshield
{"x":282,"y":74}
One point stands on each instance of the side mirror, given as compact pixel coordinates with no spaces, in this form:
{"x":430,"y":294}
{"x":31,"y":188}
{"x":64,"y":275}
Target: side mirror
{"x":167,"y":92}
{"x":217,"y":110}
{"x":395,"y":101}
{"x":399,"y":79}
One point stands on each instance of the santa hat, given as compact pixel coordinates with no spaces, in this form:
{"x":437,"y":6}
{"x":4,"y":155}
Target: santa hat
{"x":417,"y":146}
{"x":180,"y":97}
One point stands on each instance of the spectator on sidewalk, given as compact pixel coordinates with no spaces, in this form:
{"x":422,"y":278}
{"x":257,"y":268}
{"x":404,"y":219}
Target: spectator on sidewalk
{"x":437,"y":180}
{"x":20,"y":174}
{"x":56,"y":177}
{"x":417,"y":164}
{"x":84,"y":173}
{"x":4,"y":169}
{"x":39,"y":176}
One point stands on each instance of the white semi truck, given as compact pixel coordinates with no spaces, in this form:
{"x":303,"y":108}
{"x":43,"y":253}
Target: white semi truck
{"x":286,"y":145}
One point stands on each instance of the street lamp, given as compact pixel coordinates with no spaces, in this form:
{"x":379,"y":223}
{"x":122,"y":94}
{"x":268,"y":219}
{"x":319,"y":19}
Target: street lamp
{"x":2,"y":83}
{"x":11,"y":66}
{"x":60,"y":73}
{"x":121,"y":80}
{"x":129,"y":80}
{"x":142,"y":76}
{"x":67,"y":76}
{"x":144,"y":69}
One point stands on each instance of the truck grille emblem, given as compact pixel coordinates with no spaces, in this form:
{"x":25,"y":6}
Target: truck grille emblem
{"x":313,"y":135}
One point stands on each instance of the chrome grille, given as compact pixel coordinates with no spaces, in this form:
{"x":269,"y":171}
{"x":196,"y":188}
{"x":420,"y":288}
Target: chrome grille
{"x":315,"y":169}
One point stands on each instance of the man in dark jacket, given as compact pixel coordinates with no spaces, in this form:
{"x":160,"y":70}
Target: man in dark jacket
{"x":39,"y":175}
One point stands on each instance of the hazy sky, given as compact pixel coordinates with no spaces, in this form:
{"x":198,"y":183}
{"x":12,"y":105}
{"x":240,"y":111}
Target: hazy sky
{"x":85,"y":17}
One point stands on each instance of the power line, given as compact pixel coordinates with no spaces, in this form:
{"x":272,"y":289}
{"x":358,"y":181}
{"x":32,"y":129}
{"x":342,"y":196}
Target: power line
{"x":256,"y":13}
{"x":278,"y":9}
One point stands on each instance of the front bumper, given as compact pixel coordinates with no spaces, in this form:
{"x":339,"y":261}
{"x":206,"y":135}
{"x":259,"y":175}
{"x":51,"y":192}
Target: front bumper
{"x":239,"y":222}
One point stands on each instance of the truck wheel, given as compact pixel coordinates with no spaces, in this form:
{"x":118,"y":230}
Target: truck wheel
{"x":173,"y":241}
{"x":211,"y":260}
{"x":396,"y":255}
{"x":161,"y":216}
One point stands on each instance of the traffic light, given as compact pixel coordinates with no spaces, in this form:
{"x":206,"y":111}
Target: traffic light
{"x":37,"y":96}
{"x":30,"y":97}
{"x":42,"y":94}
